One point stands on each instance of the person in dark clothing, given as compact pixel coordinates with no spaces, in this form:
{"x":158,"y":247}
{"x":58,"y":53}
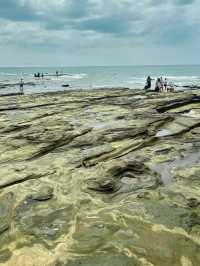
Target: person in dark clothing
{"x":148,"y":83}
{"x":21,"y":86}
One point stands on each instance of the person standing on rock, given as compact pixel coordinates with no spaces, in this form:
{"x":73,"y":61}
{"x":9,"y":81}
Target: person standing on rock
{"x":165,"y":84}
{"x":21,"y":86}
{"x":161,"y":84}
{"x":158,"y":86}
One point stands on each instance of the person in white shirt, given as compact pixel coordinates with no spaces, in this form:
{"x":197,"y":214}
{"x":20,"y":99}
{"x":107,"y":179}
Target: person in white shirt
{"x":158,"y":85}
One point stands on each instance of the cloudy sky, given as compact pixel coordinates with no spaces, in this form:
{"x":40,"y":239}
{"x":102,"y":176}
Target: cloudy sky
{"x":99,"y":32}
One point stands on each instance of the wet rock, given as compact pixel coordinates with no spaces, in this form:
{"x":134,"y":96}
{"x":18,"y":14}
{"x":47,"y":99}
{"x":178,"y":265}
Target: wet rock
{"x":82,"y":164}
{"x":193,"y":203}
{"x":105,"y":186}
{"x":105,"y":260}
{"x":194,"y":219}
{"x":144,"y":195}
{"x":44,"y":193}
{"x":129,"y":168}
{"x":43,"y":221}
{"x":59,"y":142}
{"x":125,"y":176}
{"x":172,"y":104}
{"x":15,"y":179}
{"x":91,"y":238}
{"x":6,"y":205}
{"x":65,"y":85}
{"x":95,"y":152}
{"x":5,"y":255}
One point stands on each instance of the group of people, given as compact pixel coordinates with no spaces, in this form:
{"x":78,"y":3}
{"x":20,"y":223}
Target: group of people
{"x":41,"y":75}
{"x":161,"y":85}
{"x":38,"y":75}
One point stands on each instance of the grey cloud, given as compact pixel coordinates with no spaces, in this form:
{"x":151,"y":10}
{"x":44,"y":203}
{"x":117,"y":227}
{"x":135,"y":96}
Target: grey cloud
{"x":184,"y":2}
{"x":16,"y":11}
{"x":80,"y":24}
{"x":105,"y":25}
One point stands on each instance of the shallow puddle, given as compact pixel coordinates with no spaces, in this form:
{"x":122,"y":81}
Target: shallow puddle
{"x":163,"y":133}
{"x":192,"y":113}
{"x":165,"y":170}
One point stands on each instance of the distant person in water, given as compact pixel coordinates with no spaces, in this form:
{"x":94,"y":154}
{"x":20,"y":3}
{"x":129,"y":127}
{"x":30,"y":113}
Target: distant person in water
{"x":21,"y":86}
{"x":148,"y":83}
{"x":42,"y":75}
{"x":57,"y":73}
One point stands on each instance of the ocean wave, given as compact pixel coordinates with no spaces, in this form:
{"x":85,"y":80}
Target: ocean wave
{"x":7,"y":74}
{"x":137,"y":80}
{"x":183,"y":77}
{"x":78,"y":76}
{"x":68,"y":77}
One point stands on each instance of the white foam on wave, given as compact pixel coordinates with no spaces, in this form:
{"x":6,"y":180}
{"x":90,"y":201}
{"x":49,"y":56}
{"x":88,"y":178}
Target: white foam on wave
{"x":68,"y":77}
{"x":184,"y":80}
{"x":78,"y":76}
{"x":137,"y":80}
{"x":183,"y":77}
{"x":7,"y":74}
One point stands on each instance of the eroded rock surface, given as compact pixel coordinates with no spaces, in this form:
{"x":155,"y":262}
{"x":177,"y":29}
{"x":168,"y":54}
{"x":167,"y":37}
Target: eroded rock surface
{"x":100,"y":178}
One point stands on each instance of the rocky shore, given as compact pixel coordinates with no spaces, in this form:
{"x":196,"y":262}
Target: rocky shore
{"x":100,"y":178}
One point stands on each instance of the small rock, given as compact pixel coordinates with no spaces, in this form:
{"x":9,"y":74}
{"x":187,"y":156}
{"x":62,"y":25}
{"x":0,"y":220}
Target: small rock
{"x":144,"y":195}
{"x":106,"y":186}
{"x":193,"y":203}
{"x":44,"y":193}
{"x":65,"y":85}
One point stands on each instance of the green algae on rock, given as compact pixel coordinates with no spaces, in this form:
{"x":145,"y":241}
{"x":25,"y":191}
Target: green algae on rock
{"x":100,"y":177}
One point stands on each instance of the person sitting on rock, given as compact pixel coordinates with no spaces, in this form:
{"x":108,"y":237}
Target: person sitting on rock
{"x":148,"y":83}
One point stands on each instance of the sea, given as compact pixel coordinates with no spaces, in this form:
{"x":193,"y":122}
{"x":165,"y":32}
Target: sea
{"x":132,"y":77}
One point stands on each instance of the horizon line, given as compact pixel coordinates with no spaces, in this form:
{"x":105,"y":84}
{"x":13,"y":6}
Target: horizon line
{"x":76,"y":66}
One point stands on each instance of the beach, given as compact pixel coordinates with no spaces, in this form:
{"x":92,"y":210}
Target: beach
{"x":100,"y":177}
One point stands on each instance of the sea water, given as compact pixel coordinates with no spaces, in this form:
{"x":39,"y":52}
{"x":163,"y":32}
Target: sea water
{"x":95,"y":77}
